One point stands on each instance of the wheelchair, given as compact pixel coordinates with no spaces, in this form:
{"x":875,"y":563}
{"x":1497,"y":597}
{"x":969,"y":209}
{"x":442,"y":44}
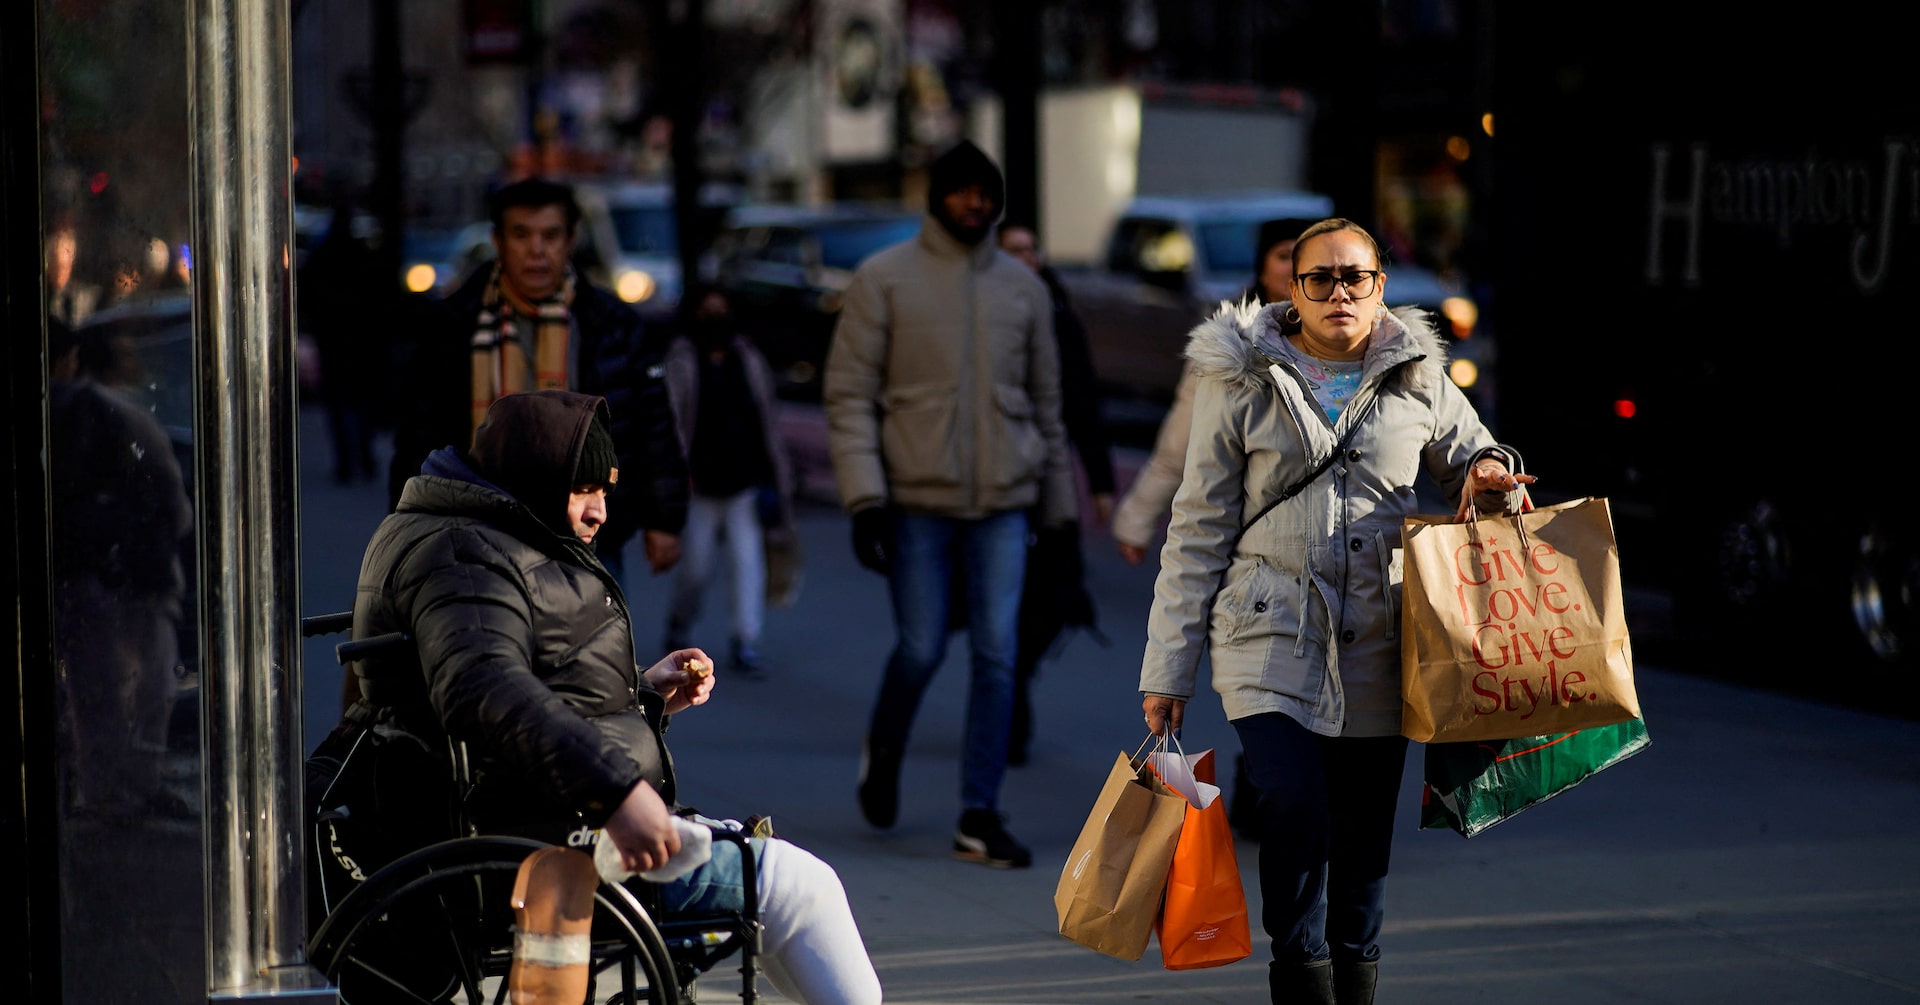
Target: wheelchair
{"x":409,"y":902}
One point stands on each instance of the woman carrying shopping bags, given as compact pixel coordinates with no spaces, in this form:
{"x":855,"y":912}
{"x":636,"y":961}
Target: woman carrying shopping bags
{"x":1312,"y":418}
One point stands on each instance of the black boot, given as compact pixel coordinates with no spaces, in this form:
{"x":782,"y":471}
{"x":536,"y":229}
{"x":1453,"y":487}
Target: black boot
{"x":1301,"y":983}
{"x":880,"y":784}
{"x":1353,"y":982}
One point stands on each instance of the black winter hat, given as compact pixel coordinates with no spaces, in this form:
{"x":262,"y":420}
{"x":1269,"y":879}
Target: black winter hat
{"x":964,"y":164}
{"x":535,"y":444}
{"x":1272,"y":232}
{"x":599,"y":464}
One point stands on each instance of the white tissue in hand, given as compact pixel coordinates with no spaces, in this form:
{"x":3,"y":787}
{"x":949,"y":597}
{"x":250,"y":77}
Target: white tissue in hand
{"x":696,"y":847}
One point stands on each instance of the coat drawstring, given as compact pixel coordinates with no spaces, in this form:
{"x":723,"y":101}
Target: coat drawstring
{"x":1305,"y":605}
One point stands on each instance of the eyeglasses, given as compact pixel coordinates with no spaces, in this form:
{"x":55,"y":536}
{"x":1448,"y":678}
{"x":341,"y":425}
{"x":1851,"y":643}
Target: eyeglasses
{"x":1318,"y":286}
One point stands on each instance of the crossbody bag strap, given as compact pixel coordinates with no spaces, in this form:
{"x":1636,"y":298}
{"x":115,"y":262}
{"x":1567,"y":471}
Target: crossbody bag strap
{"x":1308,"y":479}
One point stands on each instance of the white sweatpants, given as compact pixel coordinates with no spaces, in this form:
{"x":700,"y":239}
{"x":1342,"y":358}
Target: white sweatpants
{"x":735,"y":520}
{"x":811,"y":949}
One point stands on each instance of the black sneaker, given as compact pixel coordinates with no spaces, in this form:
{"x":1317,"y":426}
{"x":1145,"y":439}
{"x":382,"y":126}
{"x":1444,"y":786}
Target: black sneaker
{"x":879,"y":784}
{"x":981,"y":837}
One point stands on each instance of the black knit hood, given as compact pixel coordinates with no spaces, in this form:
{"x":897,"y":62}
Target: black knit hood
{"x":530,"y":445}
{"x":964,"y":164}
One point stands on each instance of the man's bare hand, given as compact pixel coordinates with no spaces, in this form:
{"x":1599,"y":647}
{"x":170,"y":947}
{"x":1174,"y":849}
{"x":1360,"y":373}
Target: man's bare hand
{"x":663,"y":550}
{"x":642,"y":829}
{"x":1132,"y":554}
{"x":1102,"y":508}
{"x":684,"y":678}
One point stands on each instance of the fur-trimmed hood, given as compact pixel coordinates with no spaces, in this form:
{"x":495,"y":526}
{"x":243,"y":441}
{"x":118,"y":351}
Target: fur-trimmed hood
{"x":1241,"y":340}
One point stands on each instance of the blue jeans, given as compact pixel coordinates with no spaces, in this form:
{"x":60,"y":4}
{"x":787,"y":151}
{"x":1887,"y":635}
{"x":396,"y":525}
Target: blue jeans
{"x":1326,"y":834}
{"x":992,"y":555}
{"x":719,"y":885}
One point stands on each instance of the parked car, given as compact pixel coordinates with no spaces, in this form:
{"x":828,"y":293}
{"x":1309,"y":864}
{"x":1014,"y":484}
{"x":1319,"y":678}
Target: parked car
{"x":785,"y":268}
{"x":436,"y":260}
{"x":1171,"y":260}
{"x":629,"y":239}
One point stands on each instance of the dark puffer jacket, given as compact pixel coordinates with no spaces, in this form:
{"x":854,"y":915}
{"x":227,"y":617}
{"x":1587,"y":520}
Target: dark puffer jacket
{"x":611,"y":358}
{"x":523,"y":642}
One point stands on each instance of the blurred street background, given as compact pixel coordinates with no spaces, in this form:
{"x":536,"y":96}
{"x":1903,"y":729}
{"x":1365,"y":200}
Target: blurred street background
{"x":1762,"y":851}
{"x":1674,"y":282}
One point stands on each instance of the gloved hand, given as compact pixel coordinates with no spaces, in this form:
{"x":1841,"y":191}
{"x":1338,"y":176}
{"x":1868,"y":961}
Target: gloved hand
{"x":872,"y":539}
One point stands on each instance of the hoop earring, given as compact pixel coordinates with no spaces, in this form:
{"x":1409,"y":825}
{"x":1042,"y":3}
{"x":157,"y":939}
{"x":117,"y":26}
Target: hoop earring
{"x":1291,"y":315}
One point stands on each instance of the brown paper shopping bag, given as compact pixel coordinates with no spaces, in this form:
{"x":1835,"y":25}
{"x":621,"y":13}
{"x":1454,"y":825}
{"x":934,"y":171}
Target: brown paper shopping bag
{"x":1513,"y":626}
{"x":1110,"y":887}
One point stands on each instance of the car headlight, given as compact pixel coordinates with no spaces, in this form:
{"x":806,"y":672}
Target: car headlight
{"x":1462,"y":313}
{"x":420,"y":277}
{"x":1463,"y":372}
{"x":633,"y":286}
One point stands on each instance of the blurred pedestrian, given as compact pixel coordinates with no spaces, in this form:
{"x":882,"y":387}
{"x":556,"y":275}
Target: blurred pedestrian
{"x":528,"y":323}
{"x":349,"y":312}
{"x":942,"y":395}
{"x":119,"y":522}
{"x":1054,"y":597}
{"x":69,"y":300}
{"x":1143,"y":509}
{"x":1312,"y":418}
{"x":722,"y":392}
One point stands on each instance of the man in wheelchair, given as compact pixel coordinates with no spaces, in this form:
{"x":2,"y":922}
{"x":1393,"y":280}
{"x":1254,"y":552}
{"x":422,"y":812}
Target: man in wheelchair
{"x":523,"y":653}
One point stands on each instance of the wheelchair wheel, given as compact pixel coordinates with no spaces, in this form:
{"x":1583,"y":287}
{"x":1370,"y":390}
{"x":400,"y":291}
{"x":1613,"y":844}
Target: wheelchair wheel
{"x":436,"y":926}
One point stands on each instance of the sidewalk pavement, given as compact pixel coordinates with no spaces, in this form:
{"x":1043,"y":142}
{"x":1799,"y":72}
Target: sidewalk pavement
{"x":1763,"y":851}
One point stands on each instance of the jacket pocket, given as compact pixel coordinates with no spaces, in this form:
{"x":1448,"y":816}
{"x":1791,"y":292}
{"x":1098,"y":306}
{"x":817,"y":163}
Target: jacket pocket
{"x":916,"y":435}
{"x":1260,"y":601}
{"x":1023,"y":453}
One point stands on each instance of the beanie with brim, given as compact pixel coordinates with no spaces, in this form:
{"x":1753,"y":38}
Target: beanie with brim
{"x":533,"y":446}
{"x":599,"y":465}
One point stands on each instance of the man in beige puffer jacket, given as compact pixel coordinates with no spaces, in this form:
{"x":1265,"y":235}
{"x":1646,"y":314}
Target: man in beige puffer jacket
{"x":942,"y":396}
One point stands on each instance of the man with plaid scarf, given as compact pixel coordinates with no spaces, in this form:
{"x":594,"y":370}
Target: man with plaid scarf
{"x":529,"y":323}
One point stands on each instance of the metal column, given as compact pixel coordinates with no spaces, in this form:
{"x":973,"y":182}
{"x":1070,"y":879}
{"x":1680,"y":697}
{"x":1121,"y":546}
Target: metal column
{"x":247,"y":490}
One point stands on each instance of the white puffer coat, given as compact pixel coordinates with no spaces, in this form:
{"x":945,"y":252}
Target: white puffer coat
{"x":1302,"y":613}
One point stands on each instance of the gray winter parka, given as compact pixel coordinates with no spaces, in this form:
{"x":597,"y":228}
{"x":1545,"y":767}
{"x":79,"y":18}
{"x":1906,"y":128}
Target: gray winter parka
{"x":1302,"y":614}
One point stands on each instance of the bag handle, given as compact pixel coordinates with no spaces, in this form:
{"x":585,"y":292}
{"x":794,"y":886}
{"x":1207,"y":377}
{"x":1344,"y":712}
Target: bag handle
{"x":1149,"y":742}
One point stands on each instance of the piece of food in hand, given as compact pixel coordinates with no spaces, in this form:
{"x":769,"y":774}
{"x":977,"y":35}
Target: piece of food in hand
{"x":697,"y":667}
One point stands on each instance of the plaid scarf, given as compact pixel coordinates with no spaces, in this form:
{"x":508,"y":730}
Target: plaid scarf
{"x":500,"y":361}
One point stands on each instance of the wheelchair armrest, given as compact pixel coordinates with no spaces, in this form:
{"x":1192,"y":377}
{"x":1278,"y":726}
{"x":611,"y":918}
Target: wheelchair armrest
{"x":749,"y":869}
{"x":347,"y":652}
{"x":325,"y":624}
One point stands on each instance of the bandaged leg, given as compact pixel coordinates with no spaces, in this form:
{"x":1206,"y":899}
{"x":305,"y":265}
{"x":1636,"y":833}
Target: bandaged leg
{"x":553,"y":921}
{"x":811,"y":948}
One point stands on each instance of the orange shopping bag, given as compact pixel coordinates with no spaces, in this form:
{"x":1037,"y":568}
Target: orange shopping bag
{"x":1203,"y":920}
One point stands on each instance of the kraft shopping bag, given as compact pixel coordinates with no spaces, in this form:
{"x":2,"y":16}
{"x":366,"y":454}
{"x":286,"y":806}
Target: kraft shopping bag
{"x":1203,"y":921}
{"x":1472,"y":786}
{"x":1513,"y":626}
{"x":1111,"y":885}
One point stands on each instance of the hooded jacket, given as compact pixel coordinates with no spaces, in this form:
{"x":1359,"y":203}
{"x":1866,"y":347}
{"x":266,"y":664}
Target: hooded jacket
{"x":1301,"y":611}
{"x":523,"y":645}
{"x":954,"y":345}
